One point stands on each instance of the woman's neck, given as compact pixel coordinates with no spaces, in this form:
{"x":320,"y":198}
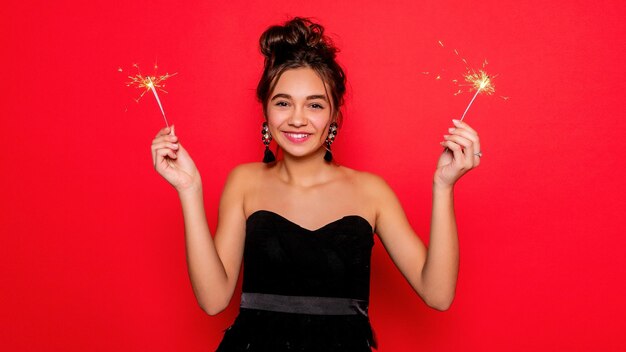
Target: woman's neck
{"x":307,"y":171}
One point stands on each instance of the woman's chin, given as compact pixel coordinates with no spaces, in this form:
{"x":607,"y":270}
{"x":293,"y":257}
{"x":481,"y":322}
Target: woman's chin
{"x":294,"y":153}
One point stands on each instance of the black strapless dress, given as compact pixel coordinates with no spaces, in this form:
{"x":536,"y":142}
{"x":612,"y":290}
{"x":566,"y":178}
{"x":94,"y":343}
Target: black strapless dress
{"x":303,"y":290}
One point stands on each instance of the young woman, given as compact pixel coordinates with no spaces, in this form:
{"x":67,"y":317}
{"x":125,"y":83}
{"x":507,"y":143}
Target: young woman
{"x":304,"y":225}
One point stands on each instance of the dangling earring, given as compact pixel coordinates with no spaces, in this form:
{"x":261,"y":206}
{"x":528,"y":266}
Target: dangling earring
{"x":268,"y":157}
{"x":332,"y":133}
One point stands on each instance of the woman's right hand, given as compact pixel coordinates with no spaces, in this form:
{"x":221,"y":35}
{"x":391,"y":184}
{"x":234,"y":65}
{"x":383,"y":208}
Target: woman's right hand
{"x":173,"y":162}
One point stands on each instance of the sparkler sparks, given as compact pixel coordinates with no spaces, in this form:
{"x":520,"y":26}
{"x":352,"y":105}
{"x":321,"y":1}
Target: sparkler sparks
{"x":481,"y":82}
{"x":478,"y":81}
{"x":153,"y":83}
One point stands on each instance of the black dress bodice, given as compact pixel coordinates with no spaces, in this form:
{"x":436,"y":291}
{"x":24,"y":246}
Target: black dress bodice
{"x":304,"y":290}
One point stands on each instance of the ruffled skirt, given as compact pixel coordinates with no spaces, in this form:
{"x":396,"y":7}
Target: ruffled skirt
{"x":260,"y":330}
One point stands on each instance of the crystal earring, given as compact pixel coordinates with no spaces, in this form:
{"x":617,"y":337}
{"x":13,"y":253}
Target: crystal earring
{"x":332,"y":133}
{"x":268,"y":157}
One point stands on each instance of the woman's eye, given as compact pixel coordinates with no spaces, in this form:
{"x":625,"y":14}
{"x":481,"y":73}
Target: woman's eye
{"x":317,"y":106}
{"x":282,"y":103}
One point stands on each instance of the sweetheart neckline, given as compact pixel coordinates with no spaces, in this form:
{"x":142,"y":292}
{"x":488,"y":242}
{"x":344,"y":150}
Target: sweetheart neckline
{"x":309,"y":230}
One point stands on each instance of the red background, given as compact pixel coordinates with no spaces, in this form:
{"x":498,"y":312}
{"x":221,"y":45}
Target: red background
{"x":92,"y":246}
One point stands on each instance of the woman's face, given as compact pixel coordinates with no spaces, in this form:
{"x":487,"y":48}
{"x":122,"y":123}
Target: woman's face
{"x":299,"y":112}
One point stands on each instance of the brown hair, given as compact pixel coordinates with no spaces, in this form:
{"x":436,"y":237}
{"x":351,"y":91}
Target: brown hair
{"x":300,"y":43}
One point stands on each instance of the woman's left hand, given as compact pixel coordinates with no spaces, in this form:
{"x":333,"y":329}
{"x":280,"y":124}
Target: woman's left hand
{"x":461,"y":155}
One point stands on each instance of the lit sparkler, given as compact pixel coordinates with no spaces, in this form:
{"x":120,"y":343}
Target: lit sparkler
{"x":152,"y":83}
{"x":481,"y":82}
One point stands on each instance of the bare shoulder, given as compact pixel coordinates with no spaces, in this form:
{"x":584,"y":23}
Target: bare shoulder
{"x":245,"y":173}
{"x":376,"y":194}
{"x":368,"y":182}
{"x":241,"y":179}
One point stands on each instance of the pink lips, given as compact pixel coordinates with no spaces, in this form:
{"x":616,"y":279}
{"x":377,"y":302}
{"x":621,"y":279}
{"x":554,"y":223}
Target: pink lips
{"x":296,"y":137}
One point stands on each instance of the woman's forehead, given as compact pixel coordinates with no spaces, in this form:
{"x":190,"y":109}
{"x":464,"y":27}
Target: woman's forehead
{"x":300,"y":82}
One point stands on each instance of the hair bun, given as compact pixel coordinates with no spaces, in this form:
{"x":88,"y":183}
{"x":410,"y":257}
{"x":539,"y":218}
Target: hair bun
{"x":296,"y":33}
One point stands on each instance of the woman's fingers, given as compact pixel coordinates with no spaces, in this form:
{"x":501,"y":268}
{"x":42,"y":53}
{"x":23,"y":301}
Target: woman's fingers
{"x":457,"y":152}
{"x":468,"y":132}
{"x":161,"y":148}
{"x":165,"y":144}
{"x":161,"y":153}
{"x":465,"y":159}
{"x":166,"y":137}
{"x":166,"y":131}
{"x":464,"y":144}
{"x":172,"y":161}
{"x":163,"y":131}
{"x":467,"y":143}
{"x":458,"y":123}
{"x":464,"y":133}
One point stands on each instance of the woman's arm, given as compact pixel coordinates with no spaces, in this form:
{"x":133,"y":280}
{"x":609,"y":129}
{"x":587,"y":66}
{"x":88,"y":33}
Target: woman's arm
{"x":441,"y":268}
{"x":213,"y":264}
{"x":433,"y":271}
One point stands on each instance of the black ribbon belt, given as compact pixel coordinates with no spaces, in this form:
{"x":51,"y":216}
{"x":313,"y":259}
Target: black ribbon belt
{"x":304,"y":304}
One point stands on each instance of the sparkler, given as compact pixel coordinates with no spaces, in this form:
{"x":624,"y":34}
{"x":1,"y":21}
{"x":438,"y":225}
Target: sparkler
{"x":477,"y":80}
{"x":152,"y":83}
{"x":481,"y":82}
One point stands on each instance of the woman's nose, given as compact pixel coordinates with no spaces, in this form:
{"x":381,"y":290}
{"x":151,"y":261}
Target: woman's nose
{"x":298,"y":118}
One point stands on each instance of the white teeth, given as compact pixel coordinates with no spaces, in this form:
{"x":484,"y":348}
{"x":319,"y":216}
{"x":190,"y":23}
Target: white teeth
{"x":298,"y":135}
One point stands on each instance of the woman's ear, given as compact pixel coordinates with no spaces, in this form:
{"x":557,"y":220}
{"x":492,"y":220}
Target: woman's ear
{"x":337,"y":118}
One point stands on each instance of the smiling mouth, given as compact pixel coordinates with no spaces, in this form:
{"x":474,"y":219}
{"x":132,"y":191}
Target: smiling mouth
{"x":296,"y":137}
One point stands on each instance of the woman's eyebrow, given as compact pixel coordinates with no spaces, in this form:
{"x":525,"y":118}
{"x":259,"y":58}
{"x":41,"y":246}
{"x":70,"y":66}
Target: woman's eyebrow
{"x":281,"y":95}
{"x":310,"y":97}
{"x":317,"y":96}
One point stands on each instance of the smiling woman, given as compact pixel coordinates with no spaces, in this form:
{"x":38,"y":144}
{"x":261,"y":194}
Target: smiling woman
{"x":303,"y":225}
{"x":299,"y":120}
{"x":301,"y":46}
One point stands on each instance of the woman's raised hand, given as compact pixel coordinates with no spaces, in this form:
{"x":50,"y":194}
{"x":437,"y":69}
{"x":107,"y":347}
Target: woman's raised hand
{"x":173,"y":162}
{"x":462,"y":154}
